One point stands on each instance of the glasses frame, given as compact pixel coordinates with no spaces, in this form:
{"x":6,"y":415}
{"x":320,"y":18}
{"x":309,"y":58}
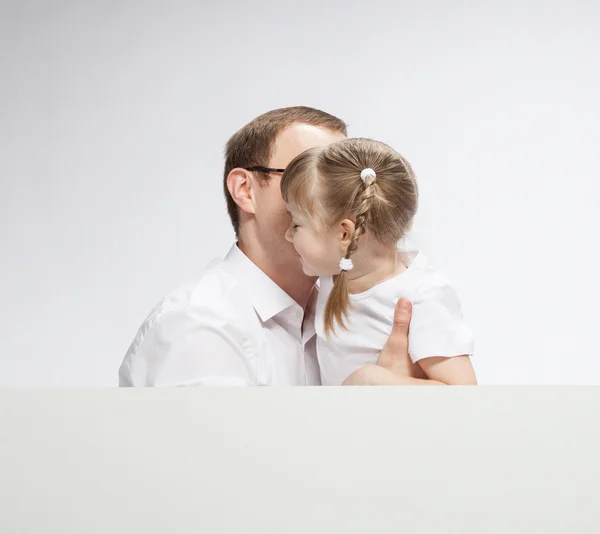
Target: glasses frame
{"x":266,"y":170}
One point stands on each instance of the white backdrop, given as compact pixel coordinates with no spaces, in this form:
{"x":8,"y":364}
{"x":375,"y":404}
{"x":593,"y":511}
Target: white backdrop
{"x":113,"y":118}
{"x":300,"y":460}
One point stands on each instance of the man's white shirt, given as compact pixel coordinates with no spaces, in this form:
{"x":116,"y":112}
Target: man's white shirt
{"x":231,"y":325}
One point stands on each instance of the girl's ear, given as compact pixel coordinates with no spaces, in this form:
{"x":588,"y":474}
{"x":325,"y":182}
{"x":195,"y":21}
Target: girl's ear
{"x":346,"y":230}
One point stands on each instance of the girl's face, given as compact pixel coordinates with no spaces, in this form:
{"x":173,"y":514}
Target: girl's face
{"x":320,"y":250}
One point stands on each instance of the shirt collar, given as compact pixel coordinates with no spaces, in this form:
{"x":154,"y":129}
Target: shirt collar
{"x":267,"y":297}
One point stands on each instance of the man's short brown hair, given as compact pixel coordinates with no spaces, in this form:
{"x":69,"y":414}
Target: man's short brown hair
{"x":253,"y":144}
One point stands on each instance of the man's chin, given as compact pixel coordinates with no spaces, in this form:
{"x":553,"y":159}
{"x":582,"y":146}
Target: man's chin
{"x":308,"y":272}
{"x":297,"y":266}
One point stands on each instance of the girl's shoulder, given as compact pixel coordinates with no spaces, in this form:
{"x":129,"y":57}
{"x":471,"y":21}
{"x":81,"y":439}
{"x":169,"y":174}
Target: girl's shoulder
{"x":421,"y":279}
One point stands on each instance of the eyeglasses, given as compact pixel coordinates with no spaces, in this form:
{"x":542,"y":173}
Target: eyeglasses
{"x":266,"y":170}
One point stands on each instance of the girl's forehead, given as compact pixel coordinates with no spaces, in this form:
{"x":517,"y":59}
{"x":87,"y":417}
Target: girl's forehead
{"x":299,"y":214}
{"x":294,"y":210}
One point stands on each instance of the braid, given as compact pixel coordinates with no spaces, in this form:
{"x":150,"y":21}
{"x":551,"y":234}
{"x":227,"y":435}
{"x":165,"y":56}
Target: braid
{"x":339,"y":300}
{"x":362,"y":214}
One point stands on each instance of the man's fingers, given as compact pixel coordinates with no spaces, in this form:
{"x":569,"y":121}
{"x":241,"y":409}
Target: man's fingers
{"x":402,"y":315}
{"x":398,"y":340}
{"x":395,"y":352}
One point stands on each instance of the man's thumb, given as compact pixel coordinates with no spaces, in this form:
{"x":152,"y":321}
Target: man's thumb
{"x":402,"y":314}
{"x":394,"y":355}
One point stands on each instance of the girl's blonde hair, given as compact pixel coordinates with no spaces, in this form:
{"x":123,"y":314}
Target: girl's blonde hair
{"x":325,"y":182}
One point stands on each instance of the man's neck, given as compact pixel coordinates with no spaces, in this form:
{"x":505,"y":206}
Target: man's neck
{"x":285,"y":271}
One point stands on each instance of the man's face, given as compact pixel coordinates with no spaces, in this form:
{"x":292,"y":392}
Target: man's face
{"x":272,"y":216}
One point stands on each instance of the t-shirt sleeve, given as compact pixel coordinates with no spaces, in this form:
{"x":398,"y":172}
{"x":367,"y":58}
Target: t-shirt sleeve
{"x":190,"y":347}
{"x":437,"y":327}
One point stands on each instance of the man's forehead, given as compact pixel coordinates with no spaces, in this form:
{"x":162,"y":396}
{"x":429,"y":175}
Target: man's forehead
{"x":297,"y":138}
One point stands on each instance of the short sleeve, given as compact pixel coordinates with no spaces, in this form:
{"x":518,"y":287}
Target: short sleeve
{"x":437,"y":327}
{"x":190,"y":347}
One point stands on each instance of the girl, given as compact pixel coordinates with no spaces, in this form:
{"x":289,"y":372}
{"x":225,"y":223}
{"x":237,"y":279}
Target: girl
{"x":351,"y":203}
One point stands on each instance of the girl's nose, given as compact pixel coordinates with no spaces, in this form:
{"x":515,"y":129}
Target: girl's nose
{"x":288,"y":234}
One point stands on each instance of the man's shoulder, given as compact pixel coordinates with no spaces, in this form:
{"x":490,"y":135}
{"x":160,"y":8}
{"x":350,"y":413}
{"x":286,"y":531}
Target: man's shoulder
{"x":216,"y":288}
{"x":211,"y":301}
{"x":212,"y":296}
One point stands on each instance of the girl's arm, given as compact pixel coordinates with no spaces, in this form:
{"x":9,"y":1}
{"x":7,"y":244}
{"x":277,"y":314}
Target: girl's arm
{"x":440,"y":371}
{"x":376,"y":375}
{"x":455,"y":371}
{"x":394,"y":367}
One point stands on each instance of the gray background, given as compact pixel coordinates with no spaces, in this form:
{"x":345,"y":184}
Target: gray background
{"x":113,"y":118}
{"x":491,"y":460}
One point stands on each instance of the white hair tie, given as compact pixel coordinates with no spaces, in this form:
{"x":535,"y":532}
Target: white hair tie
{"x":365,"y":173}
{"x":346,"y":264}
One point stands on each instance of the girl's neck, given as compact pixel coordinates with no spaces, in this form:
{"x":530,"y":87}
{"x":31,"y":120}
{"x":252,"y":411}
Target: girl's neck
{"x":372,"y":269}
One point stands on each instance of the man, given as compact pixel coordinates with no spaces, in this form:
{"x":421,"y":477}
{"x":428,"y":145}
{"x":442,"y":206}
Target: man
{"x":248,"y":319}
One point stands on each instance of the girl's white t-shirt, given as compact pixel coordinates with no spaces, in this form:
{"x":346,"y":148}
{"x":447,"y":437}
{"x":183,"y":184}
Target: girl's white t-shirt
{"x":436,"y":329}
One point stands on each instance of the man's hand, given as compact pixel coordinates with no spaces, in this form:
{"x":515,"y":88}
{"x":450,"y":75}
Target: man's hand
{"x":394,"y":355}
{"x":394,"y":366}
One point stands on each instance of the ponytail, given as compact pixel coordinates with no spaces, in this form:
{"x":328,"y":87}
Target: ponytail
{"x":337,"y":305}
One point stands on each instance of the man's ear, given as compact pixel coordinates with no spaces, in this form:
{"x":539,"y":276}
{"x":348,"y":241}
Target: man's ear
{"x":241,"y":188}
{"x":346,"y":230}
